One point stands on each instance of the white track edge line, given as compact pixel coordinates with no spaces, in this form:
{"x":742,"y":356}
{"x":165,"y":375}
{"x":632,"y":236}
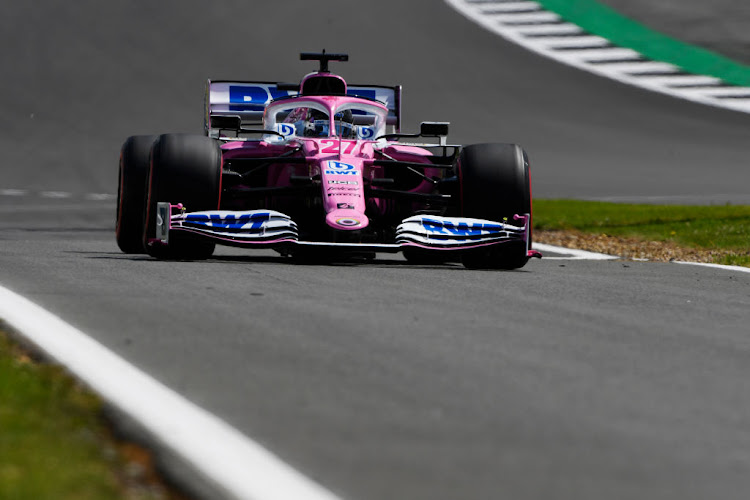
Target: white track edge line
{"x":585,"y":255}
{"x":240,"y":467}
{"x":575,"y":253}
{"x":715,"y":266}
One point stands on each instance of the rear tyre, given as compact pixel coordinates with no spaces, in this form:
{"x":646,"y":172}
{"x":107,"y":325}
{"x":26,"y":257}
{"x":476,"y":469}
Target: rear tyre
{"x":184,"y":169}
{"x":495,"y":185}
{"x":131,"y":192}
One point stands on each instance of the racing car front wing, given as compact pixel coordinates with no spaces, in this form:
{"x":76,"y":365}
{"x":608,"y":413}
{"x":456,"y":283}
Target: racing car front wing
{"x":259,"y":227}
{"x":268,"y":229}
{"x":455,"y":232}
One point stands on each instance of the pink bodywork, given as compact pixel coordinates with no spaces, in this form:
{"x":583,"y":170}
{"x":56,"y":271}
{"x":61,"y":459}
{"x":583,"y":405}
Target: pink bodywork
{"x":342,"y":165}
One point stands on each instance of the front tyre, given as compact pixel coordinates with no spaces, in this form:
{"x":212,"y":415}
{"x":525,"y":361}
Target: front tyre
{"x":495,"y":185}
{"x":184,"y":169}
{"x":131,"y":192}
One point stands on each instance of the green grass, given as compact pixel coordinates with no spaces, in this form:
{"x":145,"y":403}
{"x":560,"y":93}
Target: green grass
{"x":54,"y":443}
{"x":722,"y":228}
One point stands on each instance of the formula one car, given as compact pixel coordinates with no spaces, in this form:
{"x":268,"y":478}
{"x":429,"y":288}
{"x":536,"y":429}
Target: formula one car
{"x":322,"y":168}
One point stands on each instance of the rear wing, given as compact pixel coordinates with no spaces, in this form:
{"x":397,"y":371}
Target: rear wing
{"x":248,"y":100}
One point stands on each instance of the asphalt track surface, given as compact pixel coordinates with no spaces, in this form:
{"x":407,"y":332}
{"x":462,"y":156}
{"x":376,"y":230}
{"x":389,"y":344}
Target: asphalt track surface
{"x":567,"y":379}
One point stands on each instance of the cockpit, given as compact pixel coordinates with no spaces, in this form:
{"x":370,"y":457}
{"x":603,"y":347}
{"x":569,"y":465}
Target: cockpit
{"x":307,"y":118}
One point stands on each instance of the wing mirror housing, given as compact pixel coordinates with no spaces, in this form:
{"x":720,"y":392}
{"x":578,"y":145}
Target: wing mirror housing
{"x":226,"y":122}
{"x":434,"y":129}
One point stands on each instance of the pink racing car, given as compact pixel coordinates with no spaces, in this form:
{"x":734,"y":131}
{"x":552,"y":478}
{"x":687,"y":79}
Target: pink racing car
{"x":321,"y":168}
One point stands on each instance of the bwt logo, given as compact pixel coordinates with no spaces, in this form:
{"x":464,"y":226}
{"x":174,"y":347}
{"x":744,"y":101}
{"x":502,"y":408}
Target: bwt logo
{"x":339,"y":168}
{"x":339,"y":165}
{"x":285,"y":129}
{"x":460,"y":228}
{"x":341,"y":172}
{"x":366,"y":133}
{"x":244,"y":221}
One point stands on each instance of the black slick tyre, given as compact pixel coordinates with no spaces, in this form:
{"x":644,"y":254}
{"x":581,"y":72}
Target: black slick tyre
{"x":184,"y":169}
{"x":131,"y":192}
{"x":495,"y":185}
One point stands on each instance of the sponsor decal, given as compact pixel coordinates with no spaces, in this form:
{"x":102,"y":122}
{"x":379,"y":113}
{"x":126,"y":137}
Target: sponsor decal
{"x":350,"y":195}
{"x":255,"y":94}
{"x":339,"y":165}
{"x":285,"y":129}
{"x":342,"y":182}
{"x":366,"y":133}
{"x":341,"y":172}
{"x":348,"y":221}
{"x":458,"y":229}
{"x":342,"y":188}
{"x":244,"y":221}
{"x":369,"y":93}
{"x":339,"y":168}
{"x":347,"y":206}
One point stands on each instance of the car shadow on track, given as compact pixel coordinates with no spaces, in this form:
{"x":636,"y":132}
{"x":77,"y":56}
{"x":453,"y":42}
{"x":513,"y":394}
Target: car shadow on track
{"x":384,"y":263}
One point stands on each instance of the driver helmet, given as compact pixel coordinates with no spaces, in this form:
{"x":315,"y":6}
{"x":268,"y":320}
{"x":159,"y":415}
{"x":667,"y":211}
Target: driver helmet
{"x":344,"y":122}
{"x":316,"y":124}
{"x":308,"y":122}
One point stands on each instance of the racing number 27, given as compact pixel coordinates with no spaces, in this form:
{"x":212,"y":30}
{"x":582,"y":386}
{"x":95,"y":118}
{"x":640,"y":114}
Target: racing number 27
{"x":331,"y":146}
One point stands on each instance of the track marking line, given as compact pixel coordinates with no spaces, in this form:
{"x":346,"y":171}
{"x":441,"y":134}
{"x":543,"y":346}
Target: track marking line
{"x":715,"y":266}
{"x":548,"y":30}
{"x":55,"y":194}
{"x":230,"y":463}
{"x":13,"y":192}
{"x":99,"y":196}
{"x":59,"y":195}
{"x":513,"y":7}
{"x":573,"y":253}
{"x":520,"y":18}
{"x":585,"y":255}
{"x":574,"y":42}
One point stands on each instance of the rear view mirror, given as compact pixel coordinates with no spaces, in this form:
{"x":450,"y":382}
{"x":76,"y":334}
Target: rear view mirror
{"x":433,"y":129}
{"x":226,"y":122}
